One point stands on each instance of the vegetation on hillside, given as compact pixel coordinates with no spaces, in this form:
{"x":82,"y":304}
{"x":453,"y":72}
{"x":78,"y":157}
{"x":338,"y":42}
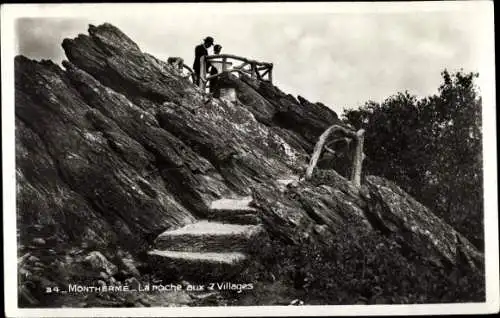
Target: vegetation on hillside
{"x":357,"y":267}
{"x":432,"y":148}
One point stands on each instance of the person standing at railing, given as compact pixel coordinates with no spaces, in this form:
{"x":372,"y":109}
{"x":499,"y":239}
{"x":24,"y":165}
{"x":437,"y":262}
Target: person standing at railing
{"x":213,"y":71}
{"x":217,"y":49}
{"x":199,"y":51}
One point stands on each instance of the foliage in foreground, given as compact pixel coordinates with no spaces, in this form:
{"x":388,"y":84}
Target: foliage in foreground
{"x":363,"y":267}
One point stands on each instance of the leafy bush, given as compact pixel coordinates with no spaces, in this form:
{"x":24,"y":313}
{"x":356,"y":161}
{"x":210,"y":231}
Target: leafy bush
{"x":365,"y":267}
{"x":432,"y":148}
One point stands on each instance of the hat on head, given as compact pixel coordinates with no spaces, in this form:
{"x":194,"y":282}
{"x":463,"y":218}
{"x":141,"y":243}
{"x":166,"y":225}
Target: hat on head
{"x":217,"y":47}
{"x":209,"y":39}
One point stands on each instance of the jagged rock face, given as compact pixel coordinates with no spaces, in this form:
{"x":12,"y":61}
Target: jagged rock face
{"x":140,"y":147}
{"x":393,"y":210}
{"x":301,"y":121}
{"x":98,"y":172}
{"x":322,"y":206}
{"x":118,"y":147}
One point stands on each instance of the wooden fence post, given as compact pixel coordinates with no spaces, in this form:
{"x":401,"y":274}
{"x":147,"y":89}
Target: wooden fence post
{"x":224,"y":66}
{"x":357,"y":161}
{"x":203,"y":72}
{"x":253,"y":70}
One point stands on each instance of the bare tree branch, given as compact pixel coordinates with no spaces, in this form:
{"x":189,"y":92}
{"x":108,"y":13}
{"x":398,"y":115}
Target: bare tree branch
{"x":358,"y":157}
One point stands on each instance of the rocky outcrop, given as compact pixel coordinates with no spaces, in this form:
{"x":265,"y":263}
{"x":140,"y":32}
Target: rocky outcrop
{"x":117,"y":148}
{"x":393,"y":210}
{"x":298,"y":121}
{"x":93,"y":167}
{"x":328,"y":202}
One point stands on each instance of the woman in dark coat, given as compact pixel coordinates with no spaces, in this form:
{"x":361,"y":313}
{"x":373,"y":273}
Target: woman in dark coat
{"x":214,"y":89}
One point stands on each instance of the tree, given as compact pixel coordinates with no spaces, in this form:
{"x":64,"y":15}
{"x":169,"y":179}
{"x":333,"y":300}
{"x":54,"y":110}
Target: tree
{"x":432,"y":147}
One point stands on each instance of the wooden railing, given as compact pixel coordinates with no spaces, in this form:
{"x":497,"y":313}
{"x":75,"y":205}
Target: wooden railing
{"x":190,"y":70}
{"x":225,"y":63}
{"x":190,"y":73}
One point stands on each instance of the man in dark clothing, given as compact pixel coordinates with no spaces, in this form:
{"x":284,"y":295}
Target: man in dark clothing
{"x":199,"y":51}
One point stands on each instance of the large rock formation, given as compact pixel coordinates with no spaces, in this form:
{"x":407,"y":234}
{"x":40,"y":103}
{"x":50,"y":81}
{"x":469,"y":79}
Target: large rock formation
{"x":117,"y":147}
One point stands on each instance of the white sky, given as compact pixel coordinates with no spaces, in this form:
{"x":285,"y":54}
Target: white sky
{"x":339,"y":55}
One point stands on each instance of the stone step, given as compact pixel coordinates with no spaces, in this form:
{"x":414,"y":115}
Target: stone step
{"x":234,"y":211}
{"x":196,"y":266}
{"x":226,"y":258}
{"x":207,"y":236}
{"x":287,"y":180}
{"x":241,"y":204}
{"x":228,"y":216}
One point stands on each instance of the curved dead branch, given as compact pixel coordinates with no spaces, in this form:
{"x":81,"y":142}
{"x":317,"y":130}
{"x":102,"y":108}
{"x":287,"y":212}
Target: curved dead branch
{"x":319,"y":147}
{"x":358,"y":154}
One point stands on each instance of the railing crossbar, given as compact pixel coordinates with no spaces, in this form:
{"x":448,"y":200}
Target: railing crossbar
{"x":252,"y":68}
{"x":212,"y":57}
{"x":265,"y":72}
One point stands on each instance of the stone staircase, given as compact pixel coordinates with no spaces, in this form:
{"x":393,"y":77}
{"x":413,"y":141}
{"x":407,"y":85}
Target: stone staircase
{"x":217,"y":247}
{"x":214,"y":248}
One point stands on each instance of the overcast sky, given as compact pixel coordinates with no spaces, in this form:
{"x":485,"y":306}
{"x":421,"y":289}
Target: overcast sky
{"x":339,"y":57}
